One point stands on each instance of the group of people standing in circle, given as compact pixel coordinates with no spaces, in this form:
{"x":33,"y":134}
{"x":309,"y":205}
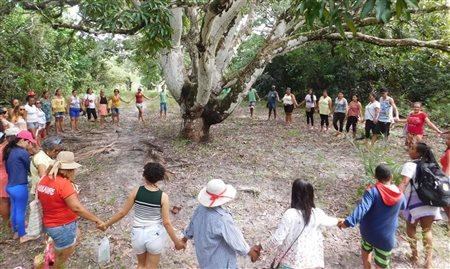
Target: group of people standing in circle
{"x":37,"y":114}
{"x":378,"y":115}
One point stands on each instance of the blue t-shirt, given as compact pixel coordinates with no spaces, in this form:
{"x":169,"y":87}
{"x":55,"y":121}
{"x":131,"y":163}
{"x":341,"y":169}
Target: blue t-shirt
{"x":272,"y":97}
{"x":340,"y":106}
{"x":378,"y":221}
{"x":385,"y":110}
{"x":18,"y":166}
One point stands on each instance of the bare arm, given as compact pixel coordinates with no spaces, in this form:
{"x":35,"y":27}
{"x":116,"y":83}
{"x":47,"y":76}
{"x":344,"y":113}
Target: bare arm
{"x":432,"y":126}
{"x":377,"y":113}
{"x":404,"y":183}
{"x":330,"y":105}
{"x":75,"y":205}
{"x":165,"y":204}
{"x":397,"y":115}
{"x":146,"y":97}
{"x":447,"y":172}
{"x":42,"y":170}
{"x":125,"y":209}
{"x":360,"y":111}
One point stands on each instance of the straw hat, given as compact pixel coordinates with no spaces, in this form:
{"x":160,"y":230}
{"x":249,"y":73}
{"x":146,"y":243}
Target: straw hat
{"x":216,"y":193}
{"x":67,"y":160}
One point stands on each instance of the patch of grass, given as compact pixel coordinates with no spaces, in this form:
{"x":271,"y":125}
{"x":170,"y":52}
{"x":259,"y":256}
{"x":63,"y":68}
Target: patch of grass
{"x":181,"y":142}
{"x":294,"y":133}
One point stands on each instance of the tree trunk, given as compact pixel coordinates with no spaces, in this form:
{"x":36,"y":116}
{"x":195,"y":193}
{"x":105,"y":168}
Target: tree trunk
{"x":195,"y":129}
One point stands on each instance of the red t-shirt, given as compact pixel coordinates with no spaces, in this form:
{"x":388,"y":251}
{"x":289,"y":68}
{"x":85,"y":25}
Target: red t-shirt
{"x":51,"y":194}
{"x":444,"y":160}
{"x":416,"y":122}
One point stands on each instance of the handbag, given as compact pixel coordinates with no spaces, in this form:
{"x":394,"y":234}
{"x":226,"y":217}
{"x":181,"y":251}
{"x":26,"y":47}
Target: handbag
{"x":35,"y":218}
{"x":277,"y":260}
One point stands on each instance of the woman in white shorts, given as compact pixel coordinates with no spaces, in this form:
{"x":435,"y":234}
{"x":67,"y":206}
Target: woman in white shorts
{"x":151,"y":224}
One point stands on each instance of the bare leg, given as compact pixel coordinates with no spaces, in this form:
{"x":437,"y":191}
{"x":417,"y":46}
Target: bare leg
{"x":152,"y":261}
{"x":411,"y":232}
{"x":142,"y":260}
{"x":426,"y":223}
{"x":5,"y":211}
{"x":366,"y":258}
{"x":251,"y":112}
{"x":274,"y":114}
{"x":62,"y":256}
{"x":270,"y":113}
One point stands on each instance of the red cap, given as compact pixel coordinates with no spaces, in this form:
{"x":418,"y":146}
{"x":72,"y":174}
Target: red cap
{"x":31,"y":93}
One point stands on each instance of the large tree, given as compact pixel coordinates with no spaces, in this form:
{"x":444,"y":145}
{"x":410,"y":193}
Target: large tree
{"x":198,"y":39}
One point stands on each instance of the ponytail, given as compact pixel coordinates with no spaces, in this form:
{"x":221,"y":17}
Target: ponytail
{"x":426,"y":154}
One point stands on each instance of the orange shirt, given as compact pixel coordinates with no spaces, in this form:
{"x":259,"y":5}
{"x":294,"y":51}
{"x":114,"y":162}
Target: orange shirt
{"x":51,"y":194}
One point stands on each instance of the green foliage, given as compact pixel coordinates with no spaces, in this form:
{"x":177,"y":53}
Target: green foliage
{"x":336,"y":13}
{"x":373,"y":157}
{"x":35,"y":56}
{"x":246,"y":52}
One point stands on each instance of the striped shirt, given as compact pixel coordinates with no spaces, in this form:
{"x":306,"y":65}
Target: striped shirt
{"x":147,"y":207}
{"x":217,"y":238}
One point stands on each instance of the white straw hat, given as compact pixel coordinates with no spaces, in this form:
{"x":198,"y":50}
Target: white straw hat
{"x":216,"y":193}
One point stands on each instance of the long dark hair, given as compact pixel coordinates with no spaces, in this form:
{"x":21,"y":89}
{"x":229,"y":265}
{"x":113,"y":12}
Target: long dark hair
{"x":303,"y":198}
{"x":2,"y":130}
{"x":9,"y":147}
{"x":425,"y":152}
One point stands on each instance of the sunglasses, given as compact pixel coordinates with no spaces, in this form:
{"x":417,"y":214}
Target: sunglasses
{"x":21,"y":109}
{"x":3,"y":112}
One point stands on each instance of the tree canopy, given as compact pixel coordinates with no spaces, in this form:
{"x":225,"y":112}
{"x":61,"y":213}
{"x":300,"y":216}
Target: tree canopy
{"x":197,"y":41}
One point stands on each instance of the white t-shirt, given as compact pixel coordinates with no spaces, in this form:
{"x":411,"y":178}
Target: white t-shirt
{"x":91,"y":98}
{"x":75,"y":102}
{"x":32,"y":113}
{"x":288,"y":100}
{"x":370,"y":110}
{"x":309,"y":103}
{"x":41,"y":117}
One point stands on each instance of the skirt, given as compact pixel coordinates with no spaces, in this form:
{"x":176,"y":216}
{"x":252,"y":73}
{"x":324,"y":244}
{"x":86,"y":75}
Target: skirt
{"x":103,"y":110}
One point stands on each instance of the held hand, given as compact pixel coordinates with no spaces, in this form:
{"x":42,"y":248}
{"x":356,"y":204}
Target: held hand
{"x":102,"y":226}
{"x":180,"y":245}
{"x":342,"y":225}
{"x":254,"y":253}
{"x":375,"y":121}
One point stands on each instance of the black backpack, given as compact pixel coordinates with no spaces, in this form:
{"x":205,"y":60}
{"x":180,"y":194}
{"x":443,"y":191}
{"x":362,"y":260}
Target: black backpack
{"x":433,"y":186}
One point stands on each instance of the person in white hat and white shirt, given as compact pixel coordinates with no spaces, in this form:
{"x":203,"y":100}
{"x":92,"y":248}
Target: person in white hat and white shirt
{"x":217,"y":238}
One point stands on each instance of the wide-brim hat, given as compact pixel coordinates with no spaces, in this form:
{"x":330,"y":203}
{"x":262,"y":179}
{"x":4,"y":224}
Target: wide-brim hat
{"x":216,"y":193}
{"x":12,"y":131}
{"x":66,"y":160}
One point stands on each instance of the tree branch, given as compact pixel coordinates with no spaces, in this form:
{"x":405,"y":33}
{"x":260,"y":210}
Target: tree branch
{"x":389,"y":42}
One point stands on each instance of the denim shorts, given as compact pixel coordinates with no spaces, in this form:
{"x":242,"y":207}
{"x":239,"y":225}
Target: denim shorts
{"x":64,"y":236}
{"x":163,"y":106}
{"x":139,"y":104}
{"x":59,"y":114}
{"x":32,"y":125}
{"x":150,"y":239}
{"x":115,"y":110}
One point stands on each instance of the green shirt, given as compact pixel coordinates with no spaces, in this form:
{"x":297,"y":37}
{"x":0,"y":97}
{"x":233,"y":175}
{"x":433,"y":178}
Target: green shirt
{"x":252,"y":95}
{"x":163,"y":97}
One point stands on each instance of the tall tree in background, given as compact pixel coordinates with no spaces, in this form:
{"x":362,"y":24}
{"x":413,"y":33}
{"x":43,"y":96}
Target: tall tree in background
{"x":199,"y":39}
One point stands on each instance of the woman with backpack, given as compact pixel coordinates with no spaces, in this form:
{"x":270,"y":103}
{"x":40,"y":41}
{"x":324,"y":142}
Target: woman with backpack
{"x":418,"y":212}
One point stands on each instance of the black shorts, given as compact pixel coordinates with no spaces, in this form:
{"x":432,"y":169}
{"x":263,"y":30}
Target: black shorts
{"x":288,"y":108}
{"x":370,"y":127}
{"x":383,"y":128}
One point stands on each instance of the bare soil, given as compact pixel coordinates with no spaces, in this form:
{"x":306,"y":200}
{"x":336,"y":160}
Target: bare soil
{"x":260,"y":158}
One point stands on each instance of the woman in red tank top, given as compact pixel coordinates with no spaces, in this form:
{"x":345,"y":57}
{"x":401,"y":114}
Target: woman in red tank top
{"x":140,"y":104}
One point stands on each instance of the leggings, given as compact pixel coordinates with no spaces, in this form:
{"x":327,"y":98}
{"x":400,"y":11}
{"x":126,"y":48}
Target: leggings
{"x":338,"y":116}
{"x":351,"y":121}
{"x":91,"y":113}
{"x":310,"y":116}
{"x":324,"y":120}
{"x":18,"y":196}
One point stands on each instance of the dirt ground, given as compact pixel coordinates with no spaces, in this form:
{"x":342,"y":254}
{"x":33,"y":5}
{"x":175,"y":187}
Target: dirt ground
{"x":260,"y":158}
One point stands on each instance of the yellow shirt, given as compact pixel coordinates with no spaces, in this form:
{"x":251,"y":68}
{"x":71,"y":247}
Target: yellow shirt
{"x":324,"y":108}
{"x":58,"y":105}
{"x":115,"y":101}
